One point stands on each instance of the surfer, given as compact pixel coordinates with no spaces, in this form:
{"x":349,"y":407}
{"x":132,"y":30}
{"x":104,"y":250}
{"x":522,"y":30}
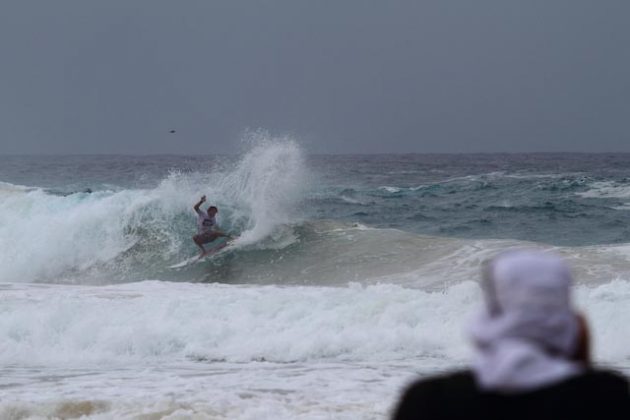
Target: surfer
{"x":206,"y":226}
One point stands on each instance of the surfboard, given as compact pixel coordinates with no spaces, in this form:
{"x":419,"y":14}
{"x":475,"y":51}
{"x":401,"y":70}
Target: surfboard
{"x":212,"y":252}
{"x":185,"y":262}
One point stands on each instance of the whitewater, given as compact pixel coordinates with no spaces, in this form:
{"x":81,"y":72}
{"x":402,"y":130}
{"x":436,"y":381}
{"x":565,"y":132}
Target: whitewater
{"x":352,"y":275}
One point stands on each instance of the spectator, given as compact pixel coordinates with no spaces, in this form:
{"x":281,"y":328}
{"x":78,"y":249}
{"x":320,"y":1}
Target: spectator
{"x":531,"y":354}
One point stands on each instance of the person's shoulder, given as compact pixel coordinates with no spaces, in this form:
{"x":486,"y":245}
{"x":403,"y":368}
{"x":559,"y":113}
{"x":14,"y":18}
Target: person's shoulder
{"x":588,"y":392}
{"x":606,"y":375}
{"x":601,"y":380}
{"x":432,"y":394}
{"x":451,"y":385}
{"x":463,"y":378}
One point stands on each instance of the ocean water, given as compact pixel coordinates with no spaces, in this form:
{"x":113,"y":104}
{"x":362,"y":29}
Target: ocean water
{"x":351,"y":277}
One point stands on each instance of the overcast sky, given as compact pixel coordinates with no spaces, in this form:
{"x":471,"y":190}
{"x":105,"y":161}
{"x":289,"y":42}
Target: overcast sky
{"x":355,"y":76}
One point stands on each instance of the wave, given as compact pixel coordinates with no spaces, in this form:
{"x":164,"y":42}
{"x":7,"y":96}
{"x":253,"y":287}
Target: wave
{"x":529,"y":185}
{"x":132,"y":233}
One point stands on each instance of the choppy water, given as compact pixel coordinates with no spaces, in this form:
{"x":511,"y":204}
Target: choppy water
{"x":351,"y":274}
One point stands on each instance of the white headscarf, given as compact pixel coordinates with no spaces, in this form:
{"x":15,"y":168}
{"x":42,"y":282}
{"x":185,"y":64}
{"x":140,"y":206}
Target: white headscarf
{"x":527,"y":332}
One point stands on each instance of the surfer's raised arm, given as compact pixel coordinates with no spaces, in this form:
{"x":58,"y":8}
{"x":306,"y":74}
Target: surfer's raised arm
{"x":201,"y":200}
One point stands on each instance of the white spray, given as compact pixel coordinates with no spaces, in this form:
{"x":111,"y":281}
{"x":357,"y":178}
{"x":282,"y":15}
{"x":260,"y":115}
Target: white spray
{"x":265,"y":187}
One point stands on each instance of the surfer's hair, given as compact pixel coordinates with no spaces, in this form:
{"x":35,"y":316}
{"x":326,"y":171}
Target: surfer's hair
{"x":213,"y":208}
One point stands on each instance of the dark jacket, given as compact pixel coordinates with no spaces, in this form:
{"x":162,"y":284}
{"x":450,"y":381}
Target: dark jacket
{"x":592,"y":395}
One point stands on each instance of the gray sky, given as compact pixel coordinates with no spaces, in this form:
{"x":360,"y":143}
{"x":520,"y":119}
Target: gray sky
{"x":354,"y":76}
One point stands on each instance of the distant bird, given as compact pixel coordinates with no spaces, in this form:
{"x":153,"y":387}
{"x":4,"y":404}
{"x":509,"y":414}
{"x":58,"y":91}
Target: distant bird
{"x":172,"y":131}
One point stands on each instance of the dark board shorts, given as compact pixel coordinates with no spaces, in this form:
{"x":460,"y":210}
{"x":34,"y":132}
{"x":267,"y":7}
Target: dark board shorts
{"x":206,"y":237}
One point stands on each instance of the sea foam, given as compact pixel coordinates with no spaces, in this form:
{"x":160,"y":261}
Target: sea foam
{"x":151,"y":321}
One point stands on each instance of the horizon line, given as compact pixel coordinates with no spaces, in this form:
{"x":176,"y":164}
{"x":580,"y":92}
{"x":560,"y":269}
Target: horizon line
{"x":313,"y":154}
